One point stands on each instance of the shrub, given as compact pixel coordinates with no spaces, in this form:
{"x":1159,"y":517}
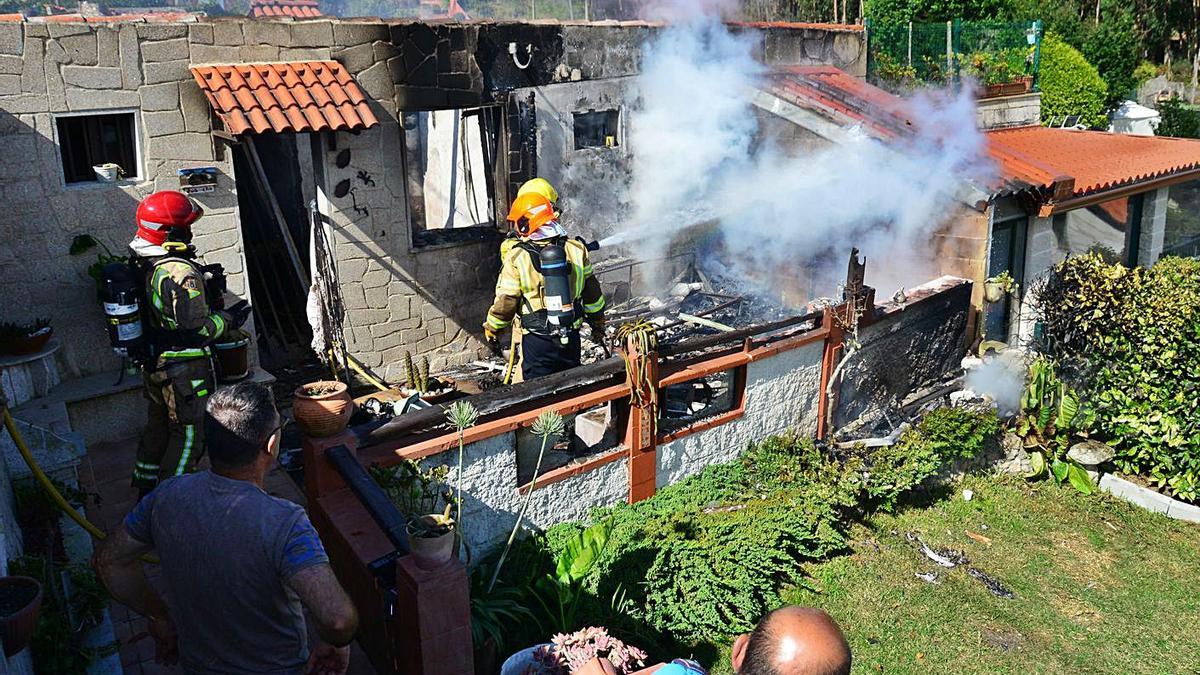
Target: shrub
{"x":1178,"y":119}
{"x":1070,"y":85}
{"x":704,"y":558}
{"x":1133,"y":337}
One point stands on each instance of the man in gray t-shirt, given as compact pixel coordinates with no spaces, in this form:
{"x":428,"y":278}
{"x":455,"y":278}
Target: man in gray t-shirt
{"x":239,"y":565}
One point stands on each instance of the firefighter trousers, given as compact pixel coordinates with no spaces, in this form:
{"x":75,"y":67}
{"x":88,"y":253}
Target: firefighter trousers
{"x":543,"y":355}
{"x":173,"y":440}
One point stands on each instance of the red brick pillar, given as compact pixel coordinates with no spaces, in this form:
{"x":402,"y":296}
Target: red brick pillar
{"x":433,"y":619}
{"x":834,"y":344}
{"x":320,"y":478}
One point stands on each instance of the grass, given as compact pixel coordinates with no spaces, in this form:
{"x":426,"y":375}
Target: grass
{"x":1101,"y":587}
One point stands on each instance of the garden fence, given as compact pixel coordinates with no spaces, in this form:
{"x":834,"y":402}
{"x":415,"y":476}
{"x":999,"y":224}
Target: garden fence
{"x":942,"y":53}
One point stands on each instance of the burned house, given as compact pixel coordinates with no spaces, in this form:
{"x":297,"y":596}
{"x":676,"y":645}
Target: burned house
{"x":384,"y":154}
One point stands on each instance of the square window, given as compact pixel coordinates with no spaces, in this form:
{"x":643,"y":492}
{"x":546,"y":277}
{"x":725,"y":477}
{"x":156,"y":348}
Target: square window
{"x":85,"y":141}
{"x":597,"y":129}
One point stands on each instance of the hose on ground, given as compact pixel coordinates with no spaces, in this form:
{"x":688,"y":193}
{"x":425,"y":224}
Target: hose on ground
{"x":48,"y":485}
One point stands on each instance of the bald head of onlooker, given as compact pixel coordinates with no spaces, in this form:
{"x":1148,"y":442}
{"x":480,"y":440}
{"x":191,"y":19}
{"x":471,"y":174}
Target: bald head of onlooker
{"x":793,"y":641}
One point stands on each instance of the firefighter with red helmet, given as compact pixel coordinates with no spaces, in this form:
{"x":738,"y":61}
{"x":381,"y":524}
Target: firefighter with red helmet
{"x":183,"y":321}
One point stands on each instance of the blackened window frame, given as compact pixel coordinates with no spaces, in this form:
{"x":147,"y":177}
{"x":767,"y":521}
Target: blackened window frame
{"x":586,"y":121}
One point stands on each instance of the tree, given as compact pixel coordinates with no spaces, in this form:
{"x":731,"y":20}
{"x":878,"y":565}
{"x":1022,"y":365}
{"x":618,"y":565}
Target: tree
{"x":1070,"y":85}
{"x":895,"y":12}
{"x":1112,"y":46}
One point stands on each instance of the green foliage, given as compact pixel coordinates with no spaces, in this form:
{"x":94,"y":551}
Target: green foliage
{"x":560,"y":592}
{"x":495,"y":611}
{"x":996,"y":67}
{"x":1145,"y":71}
{"x":69,"y":609}
{"x":415,"y":491}
{"x":1070,"y":85}
{"x":82,"y":243}
{"x":1133,"y":339}
{"x":705,"y":557}
{"x":1178,"y":119}
{"x":897,"y":12}
{"x":1052,"y":415}
{"x":1112,"y":46}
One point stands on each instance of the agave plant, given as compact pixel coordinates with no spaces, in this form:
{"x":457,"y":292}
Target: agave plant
{"x":462,"y":416}
{"x":548,"y":425}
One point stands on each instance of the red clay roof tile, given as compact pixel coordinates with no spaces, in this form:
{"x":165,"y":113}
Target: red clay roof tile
{"x":298,"y":9}
{"x":1087,"y":162}
{"x":842,"y":98}
{"x":285,"y":97}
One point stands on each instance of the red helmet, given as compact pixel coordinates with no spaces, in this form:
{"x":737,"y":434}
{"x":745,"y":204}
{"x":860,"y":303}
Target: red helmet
{"x":163,"y":211}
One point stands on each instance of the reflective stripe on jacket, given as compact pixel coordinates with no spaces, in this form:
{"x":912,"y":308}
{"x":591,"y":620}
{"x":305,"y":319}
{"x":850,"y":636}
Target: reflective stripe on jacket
{"x":521,"y":287}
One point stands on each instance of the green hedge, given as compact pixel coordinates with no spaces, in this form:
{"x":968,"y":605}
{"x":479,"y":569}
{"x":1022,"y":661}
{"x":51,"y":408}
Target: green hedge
{"x":1070,"y":85}
{"x":1132,"y":339}
{"x":705,"y":558}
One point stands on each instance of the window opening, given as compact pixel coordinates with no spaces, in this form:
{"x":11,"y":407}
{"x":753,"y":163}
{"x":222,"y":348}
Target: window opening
{"x":597,"y":129}
{"x":88,"y":142}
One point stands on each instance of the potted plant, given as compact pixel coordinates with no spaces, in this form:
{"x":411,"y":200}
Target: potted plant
{"x":417,"y":381}
{"x":567,"y":653}
{"x":431,"y":538}
{"x":995,"y":288}
{"x":19,"y":339}
{"x":424,"y":498}
{"x":322,"y":408}
{"x":20,"y":605}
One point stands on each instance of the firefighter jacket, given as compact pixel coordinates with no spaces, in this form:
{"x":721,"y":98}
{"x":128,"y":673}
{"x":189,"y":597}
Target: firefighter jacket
{"x":184,"y":323}
{"x":521,"y":288}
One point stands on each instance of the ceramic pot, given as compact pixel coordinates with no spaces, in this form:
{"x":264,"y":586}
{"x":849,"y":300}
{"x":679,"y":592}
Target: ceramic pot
{"x":430,"y":553}
{"x":323,"y":414}
{"x":993,"y":291}
{"x":20,"y":604}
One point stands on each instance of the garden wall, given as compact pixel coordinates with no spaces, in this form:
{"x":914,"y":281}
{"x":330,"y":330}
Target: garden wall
{"x":908,"y":347}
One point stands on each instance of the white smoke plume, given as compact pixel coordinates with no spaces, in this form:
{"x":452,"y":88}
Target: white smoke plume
{"x":1000,"y":377}
{"x":698,"y":155}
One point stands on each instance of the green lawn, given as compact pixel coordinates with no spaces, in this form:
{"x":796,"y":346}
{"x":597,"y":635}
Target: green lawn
{"x":1101,"y":587}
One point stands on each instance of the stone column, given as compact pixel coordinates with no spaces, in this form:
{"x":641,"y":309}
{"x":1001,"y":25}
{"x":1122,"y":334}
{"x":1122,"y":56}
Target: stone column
{"x":1154,"y":226}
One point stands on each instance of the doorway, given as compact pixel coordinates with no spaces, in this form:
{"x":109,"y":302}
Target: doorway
{"x":272,"y":183}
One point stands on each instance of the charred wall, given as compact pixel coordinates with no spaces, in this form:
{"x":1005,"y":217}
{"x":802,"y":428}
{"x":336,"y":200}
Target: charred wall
{"x":909,"y":347}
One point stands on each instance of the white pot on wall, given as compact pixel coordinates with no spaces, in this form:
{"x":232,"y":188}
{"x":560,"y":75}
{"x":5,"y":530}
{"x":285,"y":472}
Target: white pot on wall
{"x":107,"y":173}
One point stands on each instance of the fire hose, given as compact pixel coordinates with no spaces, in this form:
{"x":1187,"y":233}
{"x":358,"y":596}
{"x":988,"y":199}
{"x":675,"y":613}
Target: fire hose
{"x":48,"y":485}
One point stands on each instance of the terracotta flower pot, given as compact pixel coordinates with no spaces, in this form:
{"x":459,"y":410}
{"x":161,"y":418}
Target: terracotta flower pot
{"x":322,"y":409}
{"x":29,"y":344}
{"x":20,"y":604}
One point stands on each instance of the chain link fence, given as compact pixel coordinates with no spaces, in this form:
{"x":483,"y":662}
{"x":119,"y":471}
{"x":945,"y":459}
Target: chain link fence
{"x":996,"y":54}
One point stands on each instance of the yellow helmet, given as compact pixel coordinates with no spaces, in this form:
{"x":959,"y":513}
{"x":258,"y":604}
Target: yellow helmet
{"x":539,"y":186}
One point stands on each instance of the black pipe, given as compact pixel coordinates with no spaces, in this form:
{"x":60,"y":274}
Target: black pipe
{"x":382,"y":510}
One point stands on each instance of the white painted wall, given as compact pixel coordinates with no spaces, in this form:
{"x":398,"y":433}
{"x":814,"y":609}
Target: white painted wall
{"x":781,"y":394}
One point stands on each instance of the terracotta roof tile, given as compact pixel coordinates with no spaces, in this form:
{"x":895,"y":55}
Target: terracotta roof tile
{"x":1067,"y":163}
{"x":841,"y":98}
{"x":285,"y":97}
{"x":297,"y":9}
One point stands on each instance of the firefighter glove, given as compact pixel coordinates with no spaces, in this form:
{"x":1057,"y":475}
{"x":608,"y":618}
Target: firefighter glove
{"x":238,"y":313}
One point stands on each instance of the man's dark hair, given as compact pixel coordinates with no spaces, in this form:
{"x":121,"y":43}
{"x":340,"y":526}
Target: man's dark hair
{"x":763,"y":648}
{"x":239,"y":419}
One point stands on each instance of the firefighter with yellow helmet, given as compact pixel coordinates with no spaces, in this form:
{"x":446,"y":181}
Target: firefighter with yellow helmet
{"x":539,"y":186}
{"x":547,"y":282}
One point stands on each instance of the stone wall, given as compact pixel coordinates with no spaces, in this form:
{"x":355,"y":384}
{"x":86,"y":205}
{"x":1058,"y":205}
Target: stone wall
{"x":398,"y":297}
{"x":1010,"y":111}
{"x":71,"y":68}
